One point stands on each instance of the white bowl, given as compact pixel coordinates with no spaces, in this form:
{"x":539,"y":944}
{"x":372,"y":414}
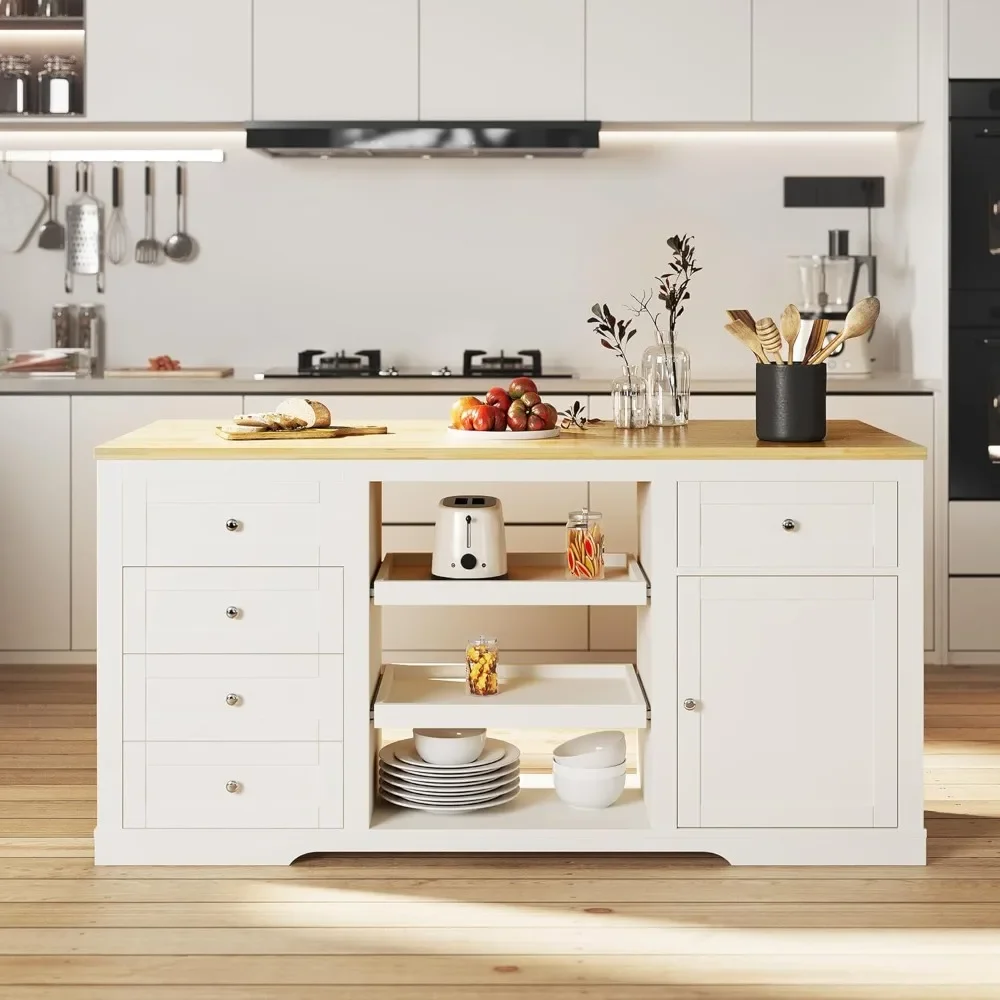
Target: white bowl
{"x":449,"y":747}
{"x":589,"y":788}
{"x":593,"y":750}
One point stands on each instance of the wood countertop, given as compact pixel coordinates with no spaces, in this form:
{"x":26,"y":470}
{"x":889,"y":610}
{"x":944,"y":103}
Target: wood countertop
{"x":418,"y":440}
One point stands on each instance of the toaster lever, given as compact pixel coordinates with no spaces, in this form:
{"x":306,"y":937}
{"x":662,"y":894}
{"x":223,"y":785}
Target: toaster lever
{"x":468,"y":531}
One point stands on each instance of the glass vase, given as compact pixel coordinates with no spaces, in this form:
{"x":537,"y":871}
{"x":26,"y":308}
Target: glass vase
{"x":628,"y":397}
{"x":667,"y":374}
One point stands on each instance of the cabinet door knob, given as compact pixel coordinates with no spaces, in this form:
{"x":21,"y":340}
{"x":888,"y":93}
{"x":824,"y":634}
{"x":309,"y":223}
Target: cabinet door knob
{"x":233,"y":787}
{"x":233,"y":525}
{"x":233,"y":699}
{"x":690,"y":704}
{"x":788,"y":524}
{"x":232,"y":612}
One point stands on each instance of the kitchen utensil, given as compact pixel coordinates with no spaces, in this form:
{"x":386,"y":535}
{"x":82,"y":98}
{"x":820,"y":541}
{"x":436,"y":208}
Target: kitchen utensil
{"x":791,"y":323}
{"x":589,"y":788}
{"x":180,"y":246}
{"x":592,"y":750}
{"x":232,"y":432}
{"x":860,"y":321}
{"x":21,"y":208}
{"x":750,"y":338}
{"x":817,"y":334}
{"x":770,"y":338}
{"x":52,"y":235}
{"x":148,"y":249}
{"x":469,"y":541}
{"x":171,"y":373}
{"x":449,"y":747}
{"x":118,"y":238}
{"x":85,"y":234}
{"x":742,"y":316}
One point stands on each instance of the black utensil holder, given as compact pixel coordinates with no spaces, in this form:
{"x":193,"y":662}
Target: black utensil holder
{"x":791,"y":402}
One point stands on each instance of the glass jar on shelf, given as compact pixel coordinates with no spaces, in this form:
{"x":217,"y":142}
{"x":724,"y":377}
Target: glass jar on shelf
{"x":585,"y":545}
{"x":15,"y":85}
{"x":481,"y":656}
{"x":628,"y":399}
{"x":667,"y":373}
{"x":51,"y":8}
{"x":58,"y":85}
{"x":11,"y":8}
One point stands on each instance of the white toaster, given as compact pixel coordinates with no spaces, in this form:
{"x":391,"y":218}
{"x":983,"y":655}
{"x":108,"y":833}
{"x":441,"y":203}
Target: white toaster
{"x":469,"y":542}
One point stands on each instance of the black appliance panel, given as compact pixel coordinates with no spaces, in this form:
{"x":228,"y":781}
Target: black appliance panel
{"x":974,"y":425}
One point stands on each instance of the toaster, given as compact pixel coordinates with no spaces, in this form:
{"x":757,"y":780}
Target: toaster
{"x":469,"y":541}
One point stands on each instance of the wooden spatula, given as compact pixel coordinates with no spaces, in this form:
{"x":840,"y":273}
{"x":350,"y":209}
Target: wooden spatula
{"x":791,"y":322}
{"x":817,"y":334}
{"x":859,"y":321}
{"x":748,"y":337}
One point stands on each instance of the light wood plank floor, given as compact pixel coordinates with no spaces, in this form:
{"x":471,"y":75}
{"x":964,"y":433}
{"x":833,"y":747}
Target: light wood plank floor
{"x":477,"y":927}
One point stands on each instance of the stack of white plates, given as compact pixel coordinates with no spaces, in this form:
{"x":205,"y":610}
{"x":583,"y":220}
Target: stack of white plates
{"x":405,"y":779}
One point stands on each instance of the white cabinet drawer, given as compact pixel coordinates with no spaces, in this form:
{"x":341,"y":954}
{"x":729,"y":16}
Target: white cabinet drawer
{"x":245,"y":610}
{"x":203,"y":786}
{"x":786,"y":525}
{"x":974,"y":538}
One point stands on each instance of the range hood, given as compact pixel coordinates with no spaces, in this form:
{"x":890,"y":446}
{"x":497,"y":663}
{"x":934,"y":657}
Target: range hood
{"x":423,"y":138}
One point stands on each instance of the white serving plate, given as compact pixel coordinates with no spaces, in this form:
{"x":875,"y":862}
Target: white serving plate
{"x":499,"y":437}
{"x":451,"y":800}
{"x":503,"y":800}
{"x":447,"y":791}
{"x":449,"y":780}
{"x":404,"y":756}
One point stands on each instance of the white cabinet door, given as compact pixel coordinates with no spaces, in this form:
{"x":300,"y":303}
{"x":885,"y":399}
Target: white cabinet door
{"x":852,"y":61}
{"x":34,"y":509}
{"x":97,"y":419}
{"x":668,"y":60}
{"x":353,"y":61}
{"x":786,"y":702}
{"x":502,"y":59}
{"x":183,"y":61}
{"x":973,"y":30}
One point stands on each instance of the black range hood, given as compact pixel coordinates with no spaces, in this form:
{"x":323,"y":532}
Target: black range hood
{"x":424,"y":138}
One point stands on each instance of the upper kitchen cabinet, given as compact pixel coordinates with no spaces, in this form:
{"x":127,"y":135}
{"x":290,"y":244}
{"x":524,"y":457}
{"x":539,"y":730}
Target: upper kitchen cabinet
{"x":354,"y":60}
{"x":668,"y":60}
{"x":854,"y":61}
{"x":974,"y":26}
{"x":183,"y":61}
{"x":502,"y":59}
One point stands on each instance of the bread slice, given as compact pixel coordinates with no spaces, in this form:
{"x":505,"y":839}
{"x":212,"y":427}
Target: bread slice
{"x":311,"y":412}
{"x":263,"y":421}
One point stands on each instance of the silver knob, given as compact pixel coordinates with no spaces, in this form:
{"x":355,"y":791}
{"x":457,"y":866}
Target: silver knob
{"x":233,"y":699}
{"x":232,"y":612}
{"x":233,"y":787}
{"x":233,"y":525}
{"x":788,"y":524}
{"x":690,"y":704}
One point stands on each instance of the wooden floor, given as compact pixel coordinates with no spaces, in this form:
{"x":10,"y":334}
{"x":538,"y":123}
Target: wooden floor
{"x":465,"y":928}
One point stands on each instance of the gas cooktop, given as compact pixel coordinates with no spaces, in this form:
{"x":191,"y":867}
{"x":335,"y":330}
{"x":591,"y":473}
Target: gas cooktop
{"x":368,"y":364}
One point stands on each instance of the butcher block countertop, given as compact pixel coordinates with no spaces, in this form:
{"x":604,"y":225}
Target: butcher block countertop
{"x":429,"y":440}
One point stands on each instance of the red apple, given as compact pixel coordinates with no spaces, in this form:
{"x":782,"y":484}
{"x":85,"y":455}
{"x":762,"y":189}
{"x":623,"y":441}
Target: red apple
{"x":499,"y":398}
{"x":482,"y":418}
{"x":548,"y":413}
{"x":459,"y":407}
{"x":517,"y":417}
{"x":520,"y":386}
{"x":499,"y":418}
{"x":535,"y":422}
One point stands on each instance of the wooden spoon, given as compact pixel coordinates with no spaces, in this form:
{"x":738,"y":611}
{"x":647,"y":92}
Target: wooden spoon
{"x":770,"y":337}
{"x":748,"y":337}
{"x":791,"y":322}
{"x":817,"y":334}
{"x":859,"y":321}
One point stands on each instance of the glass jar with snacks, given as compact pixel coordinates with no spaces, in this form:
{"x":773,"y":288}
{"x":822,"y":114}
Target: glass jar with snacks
{"x":481,"y":655}
{"x":58,"y":84}
{"x":585,"y":545}
{"x":15,"y":85}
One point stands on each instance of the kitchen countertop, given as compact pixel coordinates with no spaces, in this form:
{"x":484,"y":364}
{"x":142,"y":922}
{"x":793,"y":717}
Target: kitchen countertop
{"x":245,"y":384}
{"x":428,"y":440}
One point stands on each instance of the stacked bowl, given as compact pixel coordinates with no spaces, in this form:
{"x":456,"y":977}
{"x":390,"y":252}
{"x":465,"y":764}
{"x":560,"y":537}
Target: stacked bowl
{"x":589,"y":771}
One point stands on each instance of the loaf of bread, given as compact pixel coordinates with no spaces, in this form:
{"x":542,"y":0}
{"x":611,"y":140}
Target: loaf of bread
{"x":311,"y":412}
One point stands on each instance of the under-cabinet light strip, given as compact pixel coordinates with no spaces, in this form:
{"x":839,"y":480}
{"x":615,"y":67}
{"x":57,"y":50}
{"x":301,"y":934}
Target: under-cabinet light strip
{"x":113,"y":156}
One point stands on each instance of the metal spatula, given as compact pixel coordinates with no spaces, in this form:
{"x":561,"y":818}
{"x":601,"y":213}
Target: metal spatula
{"x":148,"y":249}
{"x":52,"y":235}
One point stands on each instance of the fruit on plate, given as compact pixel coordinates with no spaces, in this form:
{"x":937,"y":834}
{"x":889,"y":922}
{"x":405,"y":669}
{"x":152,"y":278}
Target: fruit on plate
{"x":520,"y":386}
{"x":531,"y":400}
{"x":499,"y":398}
{"x":459,"y":407}
{"x":549,"y":413}
{"x":311,"y":412}
{"x":517,"y":416}
{"x":483,"y":418}
{"x":499,"y":418}
{"x":164,"y":363}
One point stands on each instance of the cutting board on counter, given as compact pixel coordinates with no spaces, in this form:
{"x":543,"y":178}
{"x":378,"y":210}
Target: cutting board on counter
{"x":177,"y":373}
{"x":231,"y":432}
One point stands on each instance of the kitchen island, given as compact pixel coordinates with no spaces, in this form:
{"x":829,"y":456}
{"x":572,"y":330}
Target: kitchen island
{"x":777,"y":689}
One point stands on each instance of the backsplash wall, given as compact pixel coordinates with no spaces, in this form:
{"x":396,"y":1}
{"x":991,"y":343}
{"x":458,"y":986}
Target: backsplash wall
{"x":425,"y":258}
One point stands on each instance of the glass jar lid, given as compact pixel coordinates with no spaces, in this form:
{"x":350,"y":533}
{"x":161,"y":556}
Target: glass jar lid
{"x":58,"y":64}
{"x":584,"y":517}
{"x":15,"y":65}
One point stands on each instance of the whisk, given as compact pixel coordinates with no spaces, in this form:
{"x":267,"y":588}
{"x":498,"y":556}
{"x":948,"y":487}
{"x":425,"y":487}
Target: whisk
{"x":118,"y":238}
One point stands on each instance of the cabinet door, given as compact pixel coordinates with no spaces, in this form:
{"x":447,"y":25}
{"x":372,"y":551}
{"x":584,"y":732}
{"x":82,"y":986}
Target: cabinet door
{"x":355,"y":61}
{"x":97,"y":419}
{"x":34,"y":508}
{"x":183,"y":61}
{"x":668,"y":60}
{"x":502,"y":59}
{"x":793,"y":685}
{"x":974,"y":26}
{"x":853,"y":61}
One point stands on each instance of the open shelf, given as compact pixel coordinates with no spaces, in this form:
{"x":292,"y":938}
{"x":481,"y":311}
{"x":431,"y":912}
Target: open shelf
{"x":41,"y":24}
{"x":567,"y":696}
{"x":532,"y":579}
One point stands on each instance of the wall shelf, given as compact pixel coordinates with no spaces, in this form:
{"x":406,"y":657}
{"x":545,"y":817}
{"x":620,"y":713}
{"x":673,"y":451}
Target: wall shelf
{"x":567,"y":696}
{"x":405,"y":580}
{"x":41,"y":24}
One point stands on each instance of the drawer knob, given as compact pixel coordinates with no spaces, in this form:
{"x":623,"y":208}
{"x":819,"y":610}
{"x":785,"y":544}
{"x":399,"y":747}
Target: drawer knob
{"x":788,"y":524}
{"x":690,"y":704}
{"x":233,"y":525}
{"x":233,"y":787}
{"x":233,"y":699}
{"x":232,"y":612}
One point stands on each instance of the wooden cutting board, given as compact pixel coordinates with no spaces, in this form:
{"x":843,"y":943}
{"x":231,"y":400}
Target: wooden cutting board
{"x":233,"y":433}
{"x":178,"y":373}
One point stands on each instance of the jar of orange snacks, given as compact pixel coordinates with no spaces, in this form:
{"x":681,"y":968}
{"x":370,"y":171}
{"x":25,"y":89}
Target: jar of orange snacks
{"x":481,"y":656}
{"x":585,"y":545}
